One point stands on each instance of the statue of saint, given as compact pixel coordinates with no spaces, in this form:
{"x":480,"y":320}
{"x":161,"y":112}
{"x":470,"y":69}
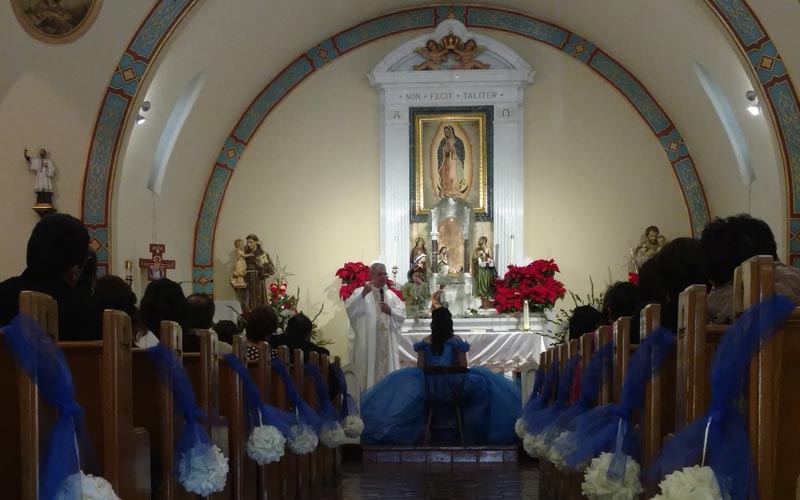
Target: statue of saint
{"x":483,"y":270}
{"x":419,"y":255}
{"x":44,"y":169}
{"x":416,"y":293}
{"x":258,"y":267}
{"x":651,"y":243}
{"x":239,"y":265}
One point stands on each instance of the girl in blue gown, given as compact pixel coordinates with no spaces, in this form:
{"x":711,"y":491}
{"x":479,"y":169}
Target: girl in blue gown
{"x":394,"y":410}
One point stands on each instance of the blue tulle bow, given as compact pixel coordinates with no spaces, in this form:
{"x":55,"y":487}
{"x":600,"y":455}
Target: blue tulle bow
{"x":541,"y":401}
{"x":722,"y":432}
{"x":326,"y":410}
{"x":172,"y":373}
{"x":260,"y":412}
{"x":42,"y":360}
{"x":538,"y":383}
{"x":608,"y":428}
{"x":349,"y":406}
{"x":304,"y":413}
{"x":590,"y":388}
{"x":540,"y":421}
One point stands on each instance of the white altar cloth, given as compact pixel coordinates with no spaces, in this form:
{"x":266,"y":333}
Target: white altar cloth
{"x":499,"y":351}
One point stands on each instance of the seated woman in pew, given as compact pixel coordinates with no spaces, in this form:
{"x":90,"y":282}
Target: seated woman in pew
{"x":620,"y":300}
{"x":261,"y":324}
{"x":111,"y":292}
{"x":163,"y":300}
{"x":680,"y":263}
{"x":394,"y":410}
{"x":726,"y":244}
{"x":298,"y":336}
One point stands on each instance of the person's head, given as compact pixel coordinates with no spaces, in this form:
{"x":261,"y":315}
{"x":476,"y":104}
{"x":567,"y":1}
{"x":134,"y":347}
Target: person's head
{"x":728,"y":242}
{"x":199,"y":311}
{"x":482,"y":241}
{"x":419,"y":242}
{"x":111,"y":292}
{"x":679,"y":264}
{"x":226,"y":330}
{"x":449,"y":131}
{"x":470,"y":44}
{"x":443,"y":251}
{"x":261,"y":323}
{"x":377,"y":275}
{"x":252,"y":242}
{"x":299,"y":327}
{"x":651,"y":233}
{"x":661,"y":240}
{"x":58,"y":249}
{"x":163,"y":300}
{"x":88,"y":277}
{"x":431,"y":45}
{"x":584,"y":319}
{"x":238,"y":243}
{"x":42,"y":153}
{"x":621,"y":299}
{"x":441,"y":328}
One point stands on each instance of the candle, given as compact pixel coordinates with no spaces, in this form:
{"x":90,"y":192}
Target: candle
{"x":496,"y":250}
{"x":128,"y":265}
{"x":526,"y":317}
{"x":511,"y":251}
{"x":396,"y":251}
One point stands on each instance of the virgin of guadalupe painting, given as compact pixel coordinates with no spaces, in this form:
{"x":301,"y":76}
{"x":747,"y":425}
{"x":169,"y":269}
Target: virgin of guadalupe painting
{"x":451,"y":160}
{"x":56,"y":21}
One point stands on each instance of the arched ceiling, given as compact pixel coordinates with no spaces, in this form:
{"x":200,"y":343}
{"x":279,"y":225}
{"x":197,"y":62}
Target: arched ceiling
{"x":243,"y":44}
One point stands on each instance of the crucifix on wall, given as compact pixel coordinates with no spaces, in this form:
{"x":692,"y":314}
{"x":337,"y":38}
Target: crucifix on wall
{"x":156,"y":265}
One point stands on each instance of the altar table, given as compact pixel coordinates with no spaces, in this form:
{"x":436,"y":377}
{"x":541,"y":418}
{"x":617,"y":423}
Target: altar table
{"x":499,"y":351}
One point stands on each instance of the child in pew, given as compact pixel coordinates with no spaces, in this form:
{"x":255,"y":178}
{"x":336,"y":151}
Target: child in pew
{"x":298,"y":336}
{"x":584,"y":319}
{"x":57,"y":254}
{"x":199,"y":316}
{"x":261,"y":324}
{"x":662,"y":278}
{"x":112,"y":292}
{"x":620,"y":300}
{"x":728,"y":242}
{"x":226,"y":331}
{"x":163,"y":300}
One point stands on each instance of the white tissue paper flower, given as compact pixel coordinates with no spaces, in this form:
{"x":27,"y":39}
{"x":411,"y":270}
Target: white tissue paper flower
{"x":305,"y":439}
{"x":332,"y":434}
{"x":535,"y":445}
{"x":265,"y":444}
{"x":203,"y":470}
{"x":91,"y":488}
{"x":698,"y":483}
{"x":353,"y":426}
{"x":553,"y":454}
{"x":597,"y":486}
{"x":519,"y":428}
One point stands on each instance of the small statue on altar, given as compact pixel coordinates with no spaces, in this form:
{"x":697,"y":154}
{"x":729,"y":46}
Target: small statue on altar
{"x":483,"y":272}
{"x":44,"y":169}
{"x":416,"y":293}
{"x":444,"y":264}
{"x":437,"y":299}
{"x":258,"y":267}
{"x":435,"y":55}
{"x":465,"y":54}
{"x":239,"y":265}
{"x":419,"y":255}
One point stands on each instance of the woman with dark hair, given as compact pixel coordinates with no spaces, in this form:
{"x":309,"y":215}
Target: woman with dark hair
{"x":163,"y":300}
{"x":298,"y":336}
{"x":395,"y":410}
{"x":261,"y":324}
{"x":111,"y":292}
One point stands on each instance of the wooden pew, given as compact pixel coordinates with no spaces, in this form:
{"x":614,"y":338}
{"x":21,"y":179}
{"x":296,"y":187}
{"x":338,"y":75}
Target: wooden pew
{"x":288,"y":464}
{"x":621,"y":334}
{"x":269,"y":476}
{"x":601,"y":337}
{"x":328,"y":455}
{"x":303,"y":461}
{"x":316,"y":459}
{"x":774,"y":402}
{"x":337,"y":455}
{"x":154,"y":410}
{"x":19,"y":464}
{"x":242,"y":482}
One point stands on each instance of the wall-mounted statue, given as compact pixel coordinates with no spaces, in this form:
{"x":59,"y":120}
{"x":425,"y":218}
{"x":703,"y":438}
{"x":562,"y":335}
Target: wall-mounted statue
{"x":650,"y":243}
{"x":45,"y":170}
{"x":436,"y":54}
{"x":252,"y":266}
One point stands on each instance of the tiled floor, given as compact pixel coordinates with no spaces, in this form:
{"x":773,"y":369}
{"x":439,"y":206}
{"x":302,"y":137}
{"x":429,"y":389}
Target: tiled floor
{"x":457,"y":481}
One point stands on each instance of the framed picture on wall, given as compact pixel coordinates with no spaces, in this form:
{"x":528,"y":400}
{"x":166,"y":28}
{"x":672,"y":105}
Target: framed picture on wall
{"x":451,"y":157}
{"x":56,"y":21}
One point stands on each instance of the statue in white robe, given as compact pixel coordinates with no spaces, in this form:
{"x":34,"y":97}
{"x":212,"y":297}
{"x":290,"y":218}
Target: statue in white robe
{"x":373,"y":341}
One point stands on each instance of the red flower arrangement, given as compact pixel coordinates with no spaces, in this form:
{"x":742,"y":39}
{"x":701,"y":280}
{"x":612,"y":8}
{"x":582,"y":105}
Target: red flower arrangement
{"x":633,"y":278}
{"x":535,"y":283}
{"x":354,"y":275}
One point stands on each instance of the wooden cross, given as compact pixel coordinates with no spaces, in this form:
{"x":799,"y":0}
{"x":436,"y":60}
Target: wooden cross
{"x":156,"y":266}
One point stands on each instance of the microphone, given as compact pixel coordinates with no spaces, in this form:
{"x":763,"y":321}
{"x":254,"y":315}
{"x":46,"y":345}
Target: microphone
{"x":381,"y":292}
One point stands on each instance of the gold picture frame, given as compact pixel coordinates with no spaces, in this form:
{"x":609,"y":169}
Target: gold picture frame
{"x":451,"y":159}
{"x":56,"y":21}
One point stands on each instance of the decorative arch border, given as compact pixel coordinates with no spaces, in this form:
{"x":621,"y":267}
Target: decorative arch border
{"x":427,"y":18}
{"x":781,"y":96}
{"x":115,"y":109}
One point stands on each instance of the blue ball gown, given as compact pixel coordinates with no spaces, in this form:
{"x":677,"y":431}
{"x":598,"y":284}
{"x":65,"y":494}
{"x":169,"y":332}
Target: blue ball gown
{"x":394,"y":410}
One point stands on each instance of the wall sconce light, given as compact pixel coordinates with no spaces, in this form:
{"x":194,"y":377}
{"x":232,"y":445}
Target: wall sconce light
{"x":753,"y":107}
{"x":140,"y":118}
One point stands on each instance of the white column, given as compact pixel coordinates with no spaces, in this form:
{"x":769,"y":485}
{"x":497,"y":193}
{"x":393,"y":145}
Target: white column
{"x":394,"y":232}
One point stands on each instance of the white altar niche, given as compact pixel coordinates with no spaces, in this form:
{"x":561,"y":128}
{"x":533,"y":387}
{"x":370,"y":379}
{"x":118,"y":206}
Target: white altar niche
{"x":451,"y":226}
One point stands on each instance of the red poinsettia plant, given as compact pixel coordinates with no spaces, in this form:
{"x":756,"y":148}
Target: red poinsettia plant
{"x":354,"y":275}
{"x":535,"y":283}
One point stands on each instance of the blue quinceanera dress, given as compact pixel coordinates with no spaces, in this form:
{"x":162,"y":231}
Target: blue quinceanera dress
{"x":394,"y":410}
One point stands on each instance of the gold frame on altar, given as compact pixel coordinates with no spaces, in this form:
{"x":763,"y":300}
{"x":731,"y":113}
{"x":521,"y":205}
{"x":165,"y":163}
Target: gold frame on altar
{"x":470,"y":181}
